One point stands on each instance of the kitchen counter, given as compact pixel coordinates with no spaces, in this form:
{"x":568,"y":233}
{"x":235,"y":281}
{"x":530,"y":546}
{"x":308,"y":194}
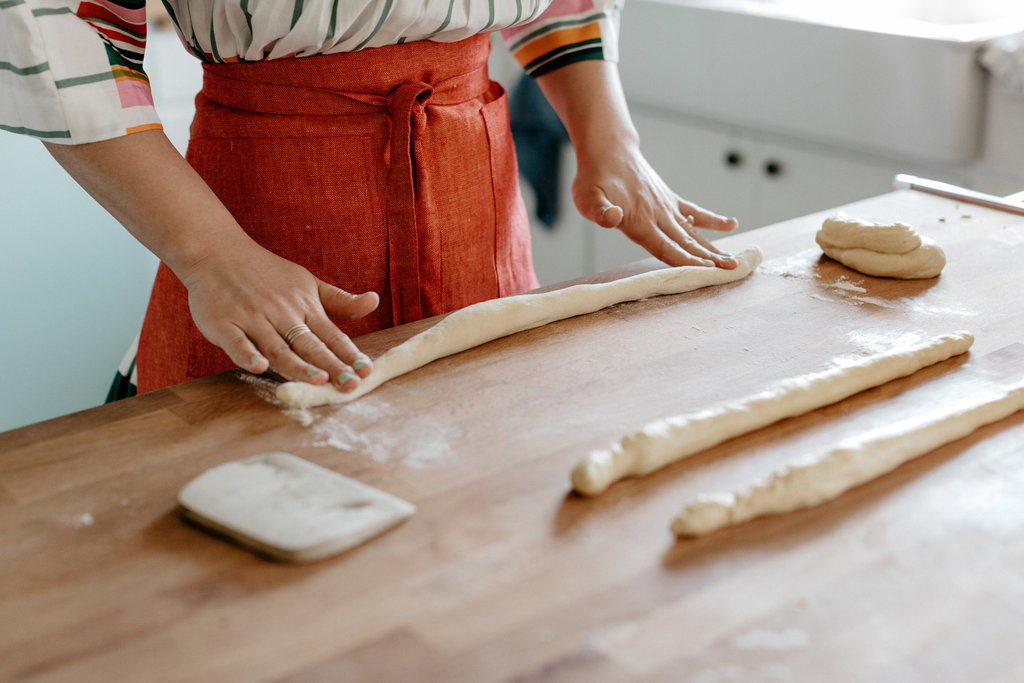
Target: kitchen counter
{"x":503,"y":573}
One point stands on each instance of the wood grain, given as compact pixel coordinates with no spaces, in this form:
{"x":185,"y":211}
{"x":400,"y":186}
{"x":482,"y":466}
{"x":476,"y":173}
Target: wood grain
{"x":503,"y":574}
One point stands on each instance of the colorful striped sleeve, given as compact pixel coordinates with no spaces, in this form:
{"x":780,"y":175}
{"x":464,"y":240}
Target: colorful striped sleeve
{"x":71,"y":70}
{"x":567,"y":31}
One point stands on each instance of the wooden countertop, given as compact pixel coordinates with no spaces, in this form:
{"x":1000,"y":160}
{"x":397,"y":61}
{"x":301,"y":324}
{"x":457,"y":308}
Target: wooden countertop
{"x":502,"y":574}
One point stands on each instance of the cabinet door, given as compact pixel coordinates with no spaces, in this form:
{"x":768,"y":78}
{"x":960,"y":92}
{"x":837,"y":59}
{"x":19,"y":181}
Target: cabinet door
{"x":704,"y":164}
{"x":560,"y":251}
{"x":794,"y":180}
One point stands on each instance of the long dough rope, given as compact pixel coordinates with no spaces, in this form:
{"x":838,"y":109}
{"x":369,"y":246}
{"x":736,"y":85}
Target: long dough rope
{"x":670,"y":439}
{"x":851,"y":463}
{"x":490,"y":320}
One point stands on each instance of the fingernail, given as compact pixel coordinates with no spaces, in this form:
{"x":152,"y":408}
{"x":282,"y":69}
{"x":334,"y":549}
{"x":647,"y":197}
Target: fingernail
{"x":360,"y":364}
{"x":255,"y":360}
{"x":360,"y":296}
{"x":726,"y":257}
{"x":313,"y":371}
{"x":344,"y":378}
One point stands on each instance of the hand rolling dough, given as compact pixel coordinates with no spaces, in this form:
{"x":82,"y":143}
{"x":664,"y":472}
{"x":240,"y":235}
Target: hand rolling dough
{"x":879,"y":249}
{"x":489,"y":320}
{"x":853,"y":462}
{"x":671,"y":439}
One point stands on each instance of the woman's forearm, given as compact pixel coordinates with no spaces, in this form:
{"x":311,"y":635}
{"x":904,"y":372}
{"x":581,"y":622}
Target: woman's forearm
{"x":143,"y":182}
{"x":242,"y":297}
{"x":615,"y":186}
{"x":588,"y":98}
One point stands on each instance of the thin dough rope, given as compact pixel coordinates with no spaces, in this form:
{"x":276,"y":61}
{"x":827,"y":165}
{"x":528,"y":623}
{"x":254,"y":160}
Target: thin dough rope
{"x":851,"y":463}
{"x":671,"y":439}
{"x":489,"y":320}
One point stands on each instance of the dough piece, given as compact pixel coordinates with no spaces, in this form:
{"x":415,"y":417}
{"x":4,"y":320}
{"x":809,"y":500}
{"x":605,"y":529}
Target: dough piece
{"x":882,"y":250}
{"x":671,"y":439}
{"x":846,"y":232}
{"x":289,"y":509}
{"x":490,"y":320}
{"x":924,"y":262}
{"x":853,"y":462}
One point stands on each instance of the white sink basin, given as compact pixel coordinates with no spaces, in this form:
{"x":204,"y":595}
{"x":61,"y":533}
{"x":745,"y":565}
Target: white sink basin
{"x":894,"y":77}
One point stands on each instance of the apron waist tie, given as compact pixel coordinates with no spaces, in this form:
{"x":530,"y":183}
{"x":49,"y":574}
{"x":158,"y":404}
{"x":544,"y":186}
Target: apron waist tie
{"x":406,"y":105}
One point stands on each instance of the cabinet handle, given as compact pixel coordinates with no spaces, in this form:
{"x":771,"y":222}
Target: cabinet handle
{"x":773,"y":168}
{"x":733,"y":159}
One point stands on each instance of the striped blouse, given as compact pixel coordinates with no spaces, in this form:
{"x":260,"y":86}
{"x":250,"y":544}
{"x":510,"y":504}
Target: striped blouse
{"x":71,"y":70}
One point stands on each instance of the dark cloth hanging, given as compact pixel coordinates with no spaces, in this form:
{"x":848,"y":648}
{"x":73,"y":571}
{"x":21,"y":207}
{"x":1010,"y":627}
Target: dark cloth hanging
{"x":539,"y":137}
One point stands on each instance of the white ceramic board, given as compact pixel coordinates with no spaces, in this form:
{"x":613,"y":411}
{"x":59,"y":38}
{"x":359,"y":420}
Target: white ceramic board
{"x":289,"y":509}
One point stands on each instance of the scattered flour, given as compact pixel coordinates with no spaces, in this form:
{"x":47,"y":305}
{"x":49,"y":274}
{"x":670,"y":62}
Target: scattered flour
{"x":78,"y":521}
{"x":369,"y":428}
{"x":799,"y":265}
{"x":264,"y":386}
{"x":844,"y":284}
{"x":764,"y":639}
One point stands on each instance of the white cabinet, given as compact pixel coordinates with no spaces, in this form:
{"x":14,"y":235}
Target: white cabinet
{"x":706,"y":165}
{"x":756,"y":178}
{"x":762,"y":177}
{"x":791,"y":179}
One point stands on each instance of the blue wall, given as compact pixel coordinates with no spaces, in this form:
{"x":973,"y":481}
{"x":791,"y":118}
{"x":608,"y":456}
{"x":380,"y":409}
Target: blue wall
{"x":73,"y":289}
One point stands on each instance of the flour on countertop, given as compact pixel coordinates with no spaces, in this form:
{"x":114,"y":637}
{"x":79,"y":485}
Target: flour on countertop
{"x":844,"y":284}
{"x":367,"y":427}
{"x":765,"y":639}
{"x":878,"y":340}
{"x":79,"y":521}
{"x":1010,"y":235}
{"x":799,"y":265}
{"x":264,"y":386}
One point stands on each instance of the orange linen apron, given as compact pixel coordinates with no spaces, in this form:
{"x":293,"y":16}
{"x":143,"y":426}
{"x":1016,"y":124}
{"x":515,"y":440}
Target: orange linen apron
{"x":389,"y":169}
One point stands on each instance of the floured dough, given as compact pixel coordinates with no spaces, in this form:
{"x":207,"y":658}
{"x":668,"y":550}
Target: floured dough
{"x":851,"y":463}
{"x":880,"y":249}
{"x":671,"y":439}
{"x":489,"y":320}
{"x":846,"y":232}
{"x":289,"y":509}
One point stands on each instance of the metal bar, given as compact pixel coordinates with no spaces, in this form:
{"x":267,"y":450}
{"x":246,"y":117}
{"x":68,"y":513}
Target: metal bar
{"x":909,"y":182}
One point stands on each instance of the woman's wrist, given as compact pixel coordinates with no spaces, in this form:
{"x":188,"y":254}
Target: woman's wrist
{"x":588,"y":98}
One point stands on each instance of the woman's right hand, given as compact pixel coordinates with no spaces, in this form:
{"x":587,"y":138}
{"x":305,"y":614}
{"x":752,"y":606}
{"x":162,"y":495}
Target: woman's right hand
{"x":244,"y":299}
{"x":247,"y":300}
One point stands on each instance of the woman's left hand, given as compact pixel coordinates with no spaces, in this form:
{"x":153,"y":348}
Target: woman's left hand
{"x":615,"y":187}
{"x":619,"y":189}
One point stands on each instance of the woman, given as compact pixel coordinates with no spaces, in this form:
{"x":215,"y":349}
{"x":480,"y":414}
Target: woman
{"x":350,"y":164}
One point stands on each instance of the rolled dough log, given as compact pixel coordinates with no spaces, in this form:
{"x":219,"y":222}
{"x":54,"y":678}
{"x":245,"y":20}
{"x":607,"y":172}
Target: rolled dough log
{"x":671,"y":439}
{"x":851,"y":463}
{"x":490,"y":320}
{"x":287,"y":508}
{"x":882,"y":250}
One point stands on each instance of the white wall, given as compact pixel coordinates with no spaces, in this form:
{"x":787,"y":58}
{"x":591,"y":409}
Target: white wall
{"x":74,"y":286}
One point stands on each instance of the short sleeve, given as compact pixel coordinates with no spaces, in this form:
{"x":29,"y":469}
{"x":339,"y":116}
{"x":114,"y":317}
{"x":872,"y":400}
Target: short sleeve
{"x":71,"y":72}
{"x":567,"y":31}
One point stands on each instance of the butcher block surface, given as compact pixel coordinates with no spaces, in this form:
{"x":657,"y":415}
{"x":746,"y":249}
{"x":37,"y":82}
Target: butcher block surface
{"x":504,"y":574}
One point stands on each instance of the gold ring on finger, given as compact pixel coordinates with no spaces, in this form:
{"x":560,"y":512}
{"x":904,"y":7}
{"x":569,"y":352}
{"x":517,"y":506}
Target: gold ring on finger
{"x":295,"y":332}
